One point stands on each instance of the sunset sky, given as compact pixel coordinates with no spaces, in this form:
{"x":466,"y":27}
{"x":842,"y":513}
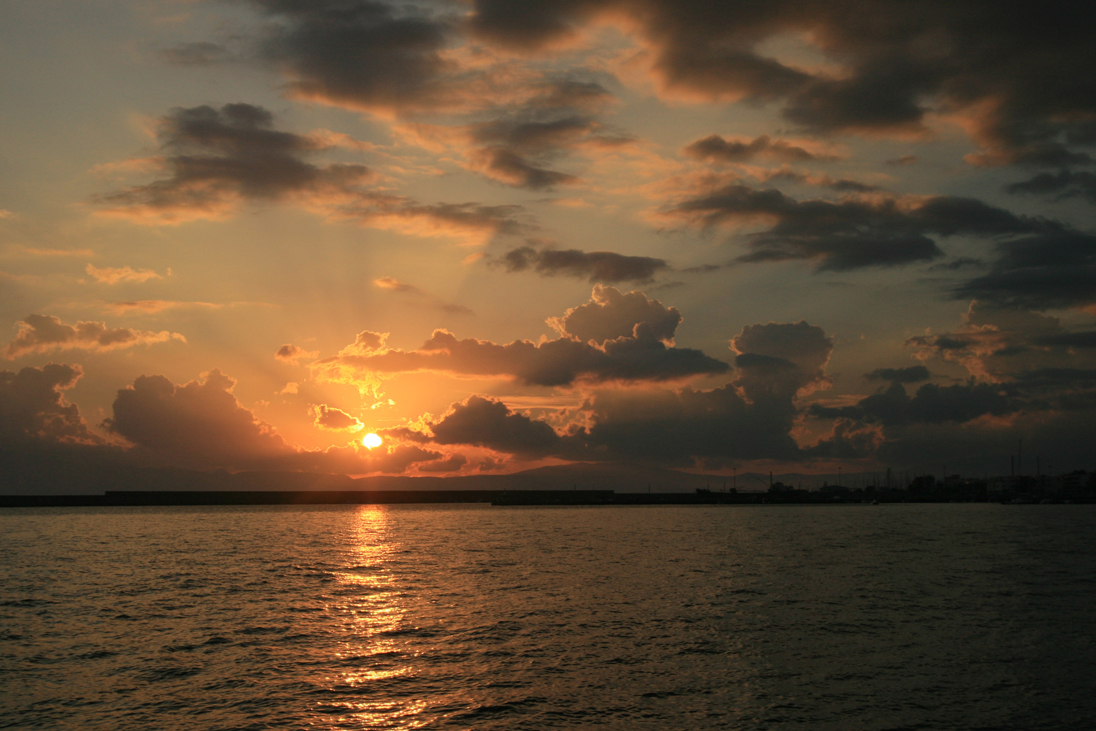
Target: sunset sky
{"x":788,"y":236}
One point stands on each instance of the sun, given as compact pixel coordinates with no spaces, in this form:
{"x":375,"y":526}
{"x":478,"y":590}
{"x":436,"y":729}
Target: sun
{"x":371,"y":440}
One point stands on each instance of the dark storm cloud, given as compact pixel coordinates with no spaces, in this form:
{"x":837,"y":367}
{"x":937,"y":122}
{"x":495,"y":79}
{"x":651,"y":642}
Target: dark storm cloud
{"x":33,"y":407}
{"x":717,"y":149}
{"x":594,"y":266}
{"x":912,"y":374}
{"x":1022,"y":80}
{"x":851,"y":233}
{"x":1063,"y":184}
{"x":1053,"y":270}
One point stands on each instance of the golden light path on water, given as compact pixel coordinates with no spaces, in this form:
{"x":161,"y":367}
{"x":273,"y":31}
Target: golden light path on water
{"x":371,"y":612}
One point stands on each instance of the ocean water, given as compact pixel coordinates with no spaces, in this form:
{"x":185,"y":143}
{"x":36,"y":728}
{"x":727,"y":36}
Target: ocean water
{"x":473,"y":617}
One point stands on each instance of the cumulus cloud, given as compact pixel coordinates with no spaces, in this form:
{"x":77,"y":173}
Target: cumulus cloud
{"x":852,"y":233}
{"x":200,"y":421}
{"x":488,"y":423}
{"x":331,"y":419}
{"x":33,"y":407}
{"x":611,"y":314}
{"x":750,"y":418}
{"x":114,"y":275}
{"x":594,"y":266}
{"x":292,"y":354}
{"x":46,"y":333}
{"x":641,"y":354}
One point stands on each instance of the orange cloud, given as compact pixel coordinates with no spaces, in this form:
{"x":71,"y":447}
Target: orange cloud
{"x":114,"y":275}
{"x":290,"y":353}
{"x":42,"y":334}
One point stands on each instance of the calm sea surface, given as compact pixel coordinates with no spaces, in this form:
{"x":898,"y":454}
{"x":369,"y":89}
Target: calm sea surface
{"x":472,"y":617}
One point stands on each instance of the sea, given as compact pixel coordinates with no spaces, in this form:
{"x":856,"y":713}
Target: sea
{"x":950,"y":616}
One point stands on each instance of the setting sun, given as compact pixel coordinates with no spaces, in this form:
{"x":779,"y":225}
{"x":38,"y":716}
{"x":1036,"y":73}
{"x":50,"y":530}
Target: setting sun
{"x":371,"y":441}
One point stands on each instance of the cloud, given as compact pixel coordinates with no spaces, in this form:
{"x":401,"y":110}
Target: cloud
{"x":750,"y":418}
{"x":154,"y":306}
{"x":516,"y":150}
{"x":453,"y":463}
{"x":42,"y":334}
{"x":912,"y":374}
{"x":200,"y":424}
{"x":488,"y":423}
{"x":290,"y":353}
{"x":611,"y":314}
{"x":109,"y":275}
{"x":641,"y":354}
{"x":217,"y":160}
{"x":1000,"y":344}
{"x":1019,"y":83}
{"x":365,"y":55}
{"x":594,"y":266}
{"x":200,"y":53}
{"x":332,"y":419}
{"x":718,"y":149}
{"x":1048,"y":271}
{"x":1062,"y":185}
{"x":1069,"y":340}
{"x":852,"y":233}
{"x":32,"y":406}
{"x":804,"y":346}
{"x":394,"y":285}
{"x":931,"y":404}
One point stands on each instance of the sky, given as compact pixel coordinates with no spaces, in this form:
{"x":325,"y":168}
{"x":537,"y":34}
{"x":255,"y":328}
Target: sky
{"x":792,"y":236}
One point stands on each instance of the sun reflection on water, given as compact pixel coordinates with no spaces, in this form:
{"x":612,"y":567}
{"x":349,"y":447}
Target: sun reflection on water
{"x":370,"y":609}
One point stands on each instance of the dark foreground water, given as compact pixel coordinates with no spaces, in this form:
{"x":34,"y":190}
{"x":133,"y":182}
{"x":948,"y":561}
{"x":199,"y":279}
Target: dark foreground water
{"x":782,"y":617}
